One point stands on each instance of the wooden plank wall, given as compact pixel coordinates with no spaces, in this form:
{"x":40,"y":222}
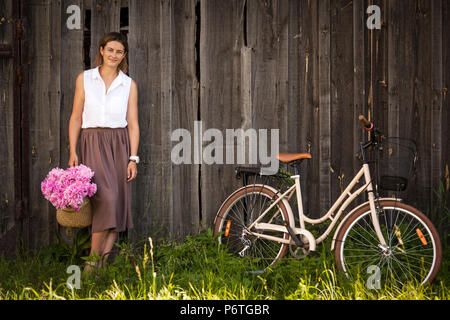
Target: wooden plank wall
{"x":7,"y":192}
{"x":219,"y":93}
{"x":305,"y":67}
{"x":163,"y":63}
{"x":42,"y":105}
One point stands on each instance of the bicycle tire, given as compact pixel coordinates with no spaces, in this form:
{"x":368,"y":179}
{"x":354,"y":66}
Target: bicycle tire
{"x":241,"y":209}
{"x":411,"y":255}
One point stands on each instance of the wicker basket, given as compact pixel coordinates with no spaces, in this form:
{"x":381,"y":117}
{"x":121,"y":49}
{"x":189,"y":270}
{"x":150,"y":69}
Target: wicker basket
{"x":396,"y":163}
{"x":75,"y":219}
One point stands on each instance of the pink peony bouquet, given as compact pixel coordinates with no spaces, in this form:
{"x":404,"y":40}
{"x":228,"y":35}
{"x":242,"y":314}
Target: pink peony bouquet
{"x":68,"y":188}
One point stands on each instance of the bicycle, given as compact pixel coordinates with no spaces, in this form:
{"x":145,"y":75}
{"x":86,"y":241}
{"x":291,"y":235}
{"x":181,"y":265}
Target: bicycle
{"x":257,"y":221}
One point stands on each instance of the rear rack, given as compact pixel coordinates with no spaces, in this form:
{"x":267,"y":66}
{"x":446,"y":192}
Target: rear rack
{"x":253,"y":174}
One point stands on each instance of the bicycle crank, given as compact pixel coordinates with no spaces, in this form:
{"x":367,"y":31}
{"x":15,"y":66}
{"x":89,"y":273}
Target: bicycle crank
{"x":298,"y":241}
{"x":298,"y":252}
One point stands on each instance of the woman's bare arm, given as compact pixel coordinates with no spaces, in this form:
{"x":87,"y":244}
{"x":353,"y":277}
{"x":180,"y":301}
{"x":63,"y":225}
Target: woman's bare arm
{"x":76,"y":119}
{"x":133,"y":128}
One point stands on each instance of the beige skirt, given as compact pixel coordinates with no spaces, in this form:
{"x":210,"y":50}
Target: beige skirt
{"x":106,"y":151}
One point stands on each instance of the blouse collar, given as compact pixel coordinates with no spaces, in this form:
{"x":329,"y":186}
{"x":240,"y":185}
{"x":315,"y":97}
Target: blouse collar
{"x":120,"y":78}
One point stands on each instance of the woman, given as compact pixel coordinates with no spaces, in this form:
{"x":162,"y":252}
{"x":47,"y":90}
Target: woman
{"x":105,"y":111}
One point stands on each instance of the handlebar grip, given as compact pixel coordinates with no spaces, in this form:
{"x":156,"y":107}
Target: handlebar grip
{"x":367,"y":124}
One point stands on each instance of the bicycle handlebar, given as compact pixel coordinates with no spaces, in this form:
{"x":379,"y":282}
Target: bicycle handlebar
{"x":367,"y":124}
{"x":373,"y":138}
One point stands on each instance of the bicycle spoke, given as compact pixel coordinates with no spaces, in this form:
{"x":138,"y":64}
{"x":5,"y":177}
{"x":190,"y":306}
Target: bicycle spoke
{"x":370,"y":245}
{"x":367,"y":231}
{"x":413,"y":257}
{"x":405,"y":267}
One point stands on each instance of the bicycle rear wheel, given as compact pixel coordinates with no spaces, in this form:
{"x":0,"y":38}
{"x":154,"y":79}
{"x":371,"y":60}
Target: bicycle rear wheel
{"x":414,"y":249}
{"x":239,"y":212}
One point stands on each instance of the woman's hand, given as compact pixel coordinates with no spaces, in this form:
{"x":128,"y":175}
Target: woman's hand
{"x":73,"y":160}
{"x":131,"y":171}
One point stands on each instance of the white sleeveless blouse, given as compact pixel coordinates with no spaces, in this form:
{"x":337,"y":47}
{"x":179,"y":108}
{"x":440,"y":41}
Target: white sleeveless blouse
{"x":101,"y":108}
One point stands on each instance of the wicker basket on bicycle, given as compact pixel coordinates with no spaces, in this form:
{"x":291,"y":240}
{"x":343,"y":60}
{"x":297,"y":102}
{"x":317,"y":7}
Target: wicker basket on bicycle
{"x":396,"y":163}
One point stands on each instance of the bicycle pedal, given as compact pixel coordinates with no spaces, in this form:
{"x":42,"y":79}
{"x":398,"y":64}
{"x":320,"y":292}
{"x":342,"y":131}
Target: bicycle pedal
{"x":315,"y":254}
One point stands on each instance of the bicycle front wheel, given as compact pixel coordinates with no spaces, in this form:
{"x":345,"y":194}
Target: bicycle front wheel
{"x":413,"y":252}
{"x":239,"y":212}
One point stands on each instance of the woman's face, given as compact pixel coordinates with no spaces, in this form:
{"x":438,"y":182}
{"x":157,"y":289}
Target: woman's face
{"x":113,"y":53}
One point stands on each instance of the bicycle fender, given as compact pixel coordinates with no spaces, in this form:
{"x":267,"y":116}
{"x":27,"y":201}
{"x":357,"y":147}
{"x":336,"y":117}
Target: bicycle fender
{"x":351,"y":213}
{"x":225,"y":201}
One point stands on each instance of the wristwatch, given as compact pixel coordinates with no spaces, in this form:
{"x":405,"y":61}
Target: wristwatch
{"x":135,"y":159}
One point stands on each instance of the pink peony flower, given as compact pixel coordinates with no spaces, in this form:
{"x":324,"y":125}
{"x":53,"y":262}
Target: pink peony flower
{"x":68,"y":188}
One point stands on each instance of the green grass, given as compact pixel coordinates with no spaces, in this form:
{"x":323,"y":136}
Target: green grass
{"x":198,"y":268}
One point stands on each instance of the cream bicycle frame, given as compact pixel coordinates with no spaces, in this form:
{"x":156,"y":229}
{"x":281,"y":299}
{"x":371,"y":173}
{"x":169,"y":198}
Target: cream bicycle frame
{"x":346,"y":195}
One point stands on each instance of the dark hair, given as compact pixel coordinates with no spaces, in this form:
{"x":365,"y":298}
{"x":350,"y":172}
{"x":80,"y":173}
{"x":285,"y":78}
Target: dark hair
{"x":113,"y":36}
